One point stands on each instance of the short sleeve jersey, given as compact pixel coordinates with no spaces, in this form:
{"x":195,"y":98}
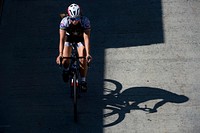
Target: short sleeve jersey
{"x":75,"y":32}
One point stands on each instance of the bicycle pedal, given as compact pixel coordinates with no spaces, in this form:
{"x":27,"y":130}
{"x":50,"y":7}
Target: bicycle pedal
{"x":83,"y":89}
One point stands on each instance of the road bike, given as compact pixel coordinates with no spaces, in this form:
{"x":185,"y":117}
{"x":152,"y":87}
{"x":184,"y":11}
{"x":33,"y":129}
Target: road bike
{"x":74,"y":76}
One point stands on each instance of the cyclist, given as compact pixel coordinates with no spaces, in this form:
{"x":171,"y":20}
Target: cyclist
{"x":74,"y":28}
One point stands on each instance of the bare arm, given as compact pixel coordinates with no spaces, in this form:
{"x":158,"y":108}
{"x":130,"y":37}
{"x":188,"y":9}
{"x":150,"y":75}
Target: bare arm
{"x":61,"y":45}
{"x":86,"y":36}
{"x":62,"y":41}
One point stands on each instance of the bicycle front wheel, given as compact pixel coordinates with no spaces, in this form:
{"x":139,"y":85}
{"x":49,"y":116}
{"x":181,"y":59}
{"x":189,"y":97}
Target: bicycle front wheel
{"x":75,"y":97}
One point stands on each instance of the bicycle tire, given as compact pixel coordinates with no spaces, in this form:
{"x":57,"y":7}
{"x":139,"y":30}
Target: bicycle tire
{"x":75,"y":98}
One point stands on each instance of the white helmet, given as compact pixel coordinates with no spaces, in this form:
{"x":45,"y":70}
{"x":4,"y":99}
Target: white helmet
{"x":74,"y":10}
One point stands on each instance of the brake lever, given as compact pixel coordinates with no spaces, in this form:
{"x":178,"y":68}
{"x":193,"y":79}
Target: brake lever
{"x":61,"y":59}
{"x":88,"y":62}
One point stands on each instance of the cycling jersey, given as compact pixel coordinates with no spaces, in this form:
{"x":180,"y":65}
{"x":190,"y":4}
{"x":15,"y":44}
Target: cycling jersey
{"x":75,"y":32}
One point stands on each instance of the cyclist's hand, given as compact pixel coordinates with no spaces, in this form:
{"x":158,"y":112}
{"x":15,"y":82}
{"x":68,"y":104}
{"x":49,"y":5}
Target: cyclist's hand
{"x":89,"y":58}
{"x":58,"y":60}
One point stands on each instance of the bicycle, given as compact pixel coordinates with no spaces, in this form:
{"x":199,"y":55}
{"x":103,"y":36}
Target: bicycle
{"x":74,"y":76}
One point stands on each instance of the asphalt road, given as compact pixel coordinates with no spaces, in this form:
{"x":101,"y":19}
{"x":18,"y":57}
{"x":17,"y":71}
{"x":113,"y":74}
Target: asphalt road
{"x":144,"y":76}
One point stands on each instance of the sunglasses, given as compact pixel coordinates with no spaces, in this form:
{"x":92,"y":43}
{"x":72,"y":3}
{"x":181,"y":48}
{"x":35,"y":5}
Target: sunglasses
{"x":75,"y":19}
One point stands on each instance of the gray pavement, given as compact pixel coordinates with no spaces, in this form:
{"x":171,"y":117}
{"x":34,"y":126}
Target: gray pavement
{"x":144,"y":76}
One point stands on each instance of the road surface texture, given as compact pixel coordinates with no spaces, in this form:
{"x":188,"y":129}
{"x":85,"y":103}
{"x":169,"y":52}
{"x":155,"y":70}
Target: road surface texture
{"x":144,"y":76}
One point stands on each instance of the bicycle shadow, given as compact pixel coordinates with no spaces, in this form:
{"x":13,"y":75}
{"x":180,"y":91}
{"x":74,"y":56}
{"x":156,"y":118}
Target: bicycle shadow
{"x":118,"y":102}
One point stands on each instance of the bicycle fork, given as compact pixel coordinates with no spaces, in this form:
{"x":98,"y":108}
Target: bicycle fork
{"x":72,"y":83}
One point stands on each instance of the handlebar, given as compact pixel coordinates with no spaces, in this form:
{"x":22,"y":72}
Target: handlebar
{"x":61,"y":59}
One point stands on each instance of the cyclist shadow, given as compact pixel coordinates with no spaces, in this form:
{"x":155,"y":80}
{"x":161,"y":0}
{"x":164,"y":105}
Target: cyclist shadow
{"x":117,"y":102}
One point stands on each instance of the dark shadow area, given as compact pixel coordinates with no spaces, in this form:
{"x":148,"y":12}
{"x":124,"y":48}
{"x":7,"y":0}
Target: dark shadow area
{"x":1,"y":9}
{"x":118,"y":102}
{"x":34,"y":95}
{"x":126,"y":23}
